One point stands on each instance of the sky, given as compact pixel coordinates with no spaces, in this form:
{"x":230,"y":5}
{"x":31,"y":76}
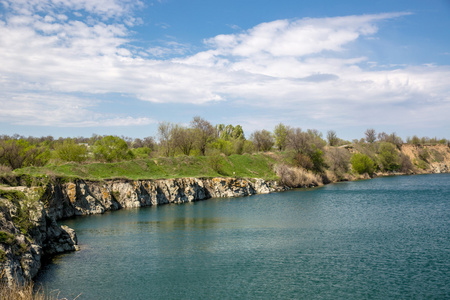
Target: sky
{"x":80,"y":67}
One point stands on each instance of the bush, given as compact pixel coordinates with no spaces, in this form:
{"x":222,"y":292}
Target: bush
{"x":70,"y":151}
{"x":216,"y":162}
{"x":362,"y":163}
{"x":297,"y":177}
{"x":388,"y":155}
{"x":112,"y":148}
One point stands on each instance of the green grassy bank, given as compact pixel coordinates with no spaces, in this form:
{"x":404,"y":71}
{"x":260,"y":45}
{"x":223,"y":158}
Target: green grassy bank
{"x":246,"y":166}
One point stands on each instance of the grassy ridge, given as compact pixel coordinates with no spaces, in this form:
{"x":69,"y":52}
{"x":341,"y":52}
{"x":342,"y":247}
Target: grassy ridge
{"x":249,"y":166}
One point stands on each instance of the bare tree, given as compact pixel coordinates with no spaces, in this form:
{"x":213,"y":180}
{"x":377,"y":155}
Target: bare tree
{"x":262,"y":139}
{"x":332,"y":138}
{"x":165,"y":138}
{"x":203,"y":133}
{"x":298,"y":140}
{"x":183,"y":138}
{"x":370,"y":135}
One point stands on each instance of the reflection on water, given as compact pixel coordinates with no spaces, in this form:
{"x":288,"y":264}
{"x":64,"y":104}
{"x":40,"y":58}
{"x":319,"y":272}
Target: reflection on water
{"x":382,"y":238}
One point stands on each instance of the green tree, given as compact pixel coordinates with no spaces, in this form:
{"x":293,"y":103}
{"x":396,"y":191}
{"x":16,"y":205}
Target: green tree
{"x":19,"y":153}
{"x":362,"y":163}
{"x":112,"y":148}
{"x":71,"y":151}
{"x":388,"y":155}
{"x":280,"y":134}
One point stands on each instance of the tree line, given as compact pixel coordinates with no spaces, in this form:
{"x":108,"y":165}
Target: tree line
{"x":307,"y":149}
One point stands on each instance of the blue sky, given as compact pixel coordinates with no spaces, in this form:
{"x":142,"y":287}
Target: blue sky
{"x":78,"y":67}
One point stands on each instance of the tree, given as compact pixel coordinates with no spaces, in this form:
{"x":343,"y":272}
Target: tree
{"x":165,"y":138}
{"x":183,"y":138}
{"x":370,"y":135}
{"x":298,"y":140}
{"x":262,"y":139}
{"x":203,"y":133}
{"x":19,"y":153}
{"x":112,"y":148}
{"x":280,"y":134}
{"x":362,"y":163}
{"x":332,"y":138}
{"x":388,"y":156}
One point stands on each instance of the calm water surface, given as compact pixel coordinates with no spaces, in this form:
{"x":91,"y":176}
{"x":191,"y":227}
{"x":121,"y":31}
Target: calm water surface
{"x":376,"y":239}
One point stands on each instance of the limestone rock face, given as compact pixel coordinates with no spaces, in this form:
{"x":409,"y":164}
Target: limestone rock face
{"x":89,"y":197}
{"x":27,"y":237}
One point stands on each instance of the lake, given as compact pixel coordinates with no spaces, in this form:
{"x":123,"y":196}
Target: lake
{"x":380,"y":238}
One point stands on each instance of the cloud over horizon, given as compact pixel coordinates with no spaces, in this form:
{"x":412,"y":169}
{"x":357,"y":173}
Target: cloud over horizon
{"x":51,"y":51}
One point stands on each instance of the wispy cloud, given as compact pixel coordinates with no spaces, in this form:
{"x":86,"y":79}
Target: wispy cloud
{"x":303,"y":67}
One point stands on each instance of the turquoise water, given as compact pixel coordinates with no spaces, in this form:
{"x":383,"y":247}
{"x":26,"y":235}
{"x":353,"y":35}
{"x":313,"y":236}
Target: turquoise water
{"x":385,"y":238}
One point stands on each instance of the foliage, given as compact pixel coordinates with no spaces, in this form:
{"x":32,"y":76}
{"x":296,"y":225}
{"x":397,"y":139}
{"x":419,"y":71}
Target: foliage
{"x":262,"y":139}
{"x":362,"y":163}
{"x":216,"y":162}
{"x":388,"y":156}
{"x":112,"y":148}
{"x":142,"y":152}
{"x":280,"y":134}
{"x":20,"y":153}
{"x":71,"y":151}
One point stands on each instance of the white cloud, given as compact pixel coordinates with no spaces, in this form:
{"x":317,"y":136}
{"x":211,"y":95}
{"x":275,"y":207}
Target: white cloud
{"x":300,"y":67}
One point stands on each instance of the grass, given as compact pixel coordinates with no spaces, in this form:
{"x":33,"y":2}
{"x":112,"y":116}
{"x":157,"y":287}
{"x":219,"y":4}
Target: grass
{"x":247,"y":166}
{"x":27,"y":291}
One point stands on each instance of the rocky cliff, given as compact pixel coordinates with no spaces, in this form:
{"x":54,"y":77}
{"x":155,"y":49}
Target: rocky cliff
{"x":27,"y":234}
{"x":95,"y":197}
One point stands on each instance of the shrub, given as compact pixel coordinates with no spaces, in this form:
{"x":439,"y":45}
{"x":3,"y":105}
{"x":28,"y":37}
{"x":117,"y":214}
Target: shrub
{"x":112,"y":148}
{"x":297,"y":177}
{"x":388,"y":155}
{"x":216,"y":162}
{"x":71,"y":151}
{"x":362,"y":163}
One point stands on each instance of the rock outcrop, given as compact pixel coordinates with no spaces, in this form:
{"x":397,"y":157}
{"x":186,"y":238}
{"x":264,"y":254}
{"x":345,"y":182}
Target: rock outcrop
{"x":27,"y":234}
{"x":95,"y":197}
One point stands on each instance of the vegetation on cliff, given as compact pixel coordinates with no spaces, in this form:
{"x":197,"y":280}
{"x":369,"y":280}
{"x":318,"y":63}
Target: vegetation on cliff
{"x":204,"y":150}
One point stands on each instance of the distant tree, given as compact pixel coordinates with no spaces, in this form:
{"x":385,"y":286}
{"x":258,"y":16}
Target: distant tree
{"x":111,"y":148}
{"x":371,"y":136}
{"x":183,"y":139}
{"x":362,"y":163}
{"x":262,"y":139}
{"x":332,"y":138}
{"x":383,"y":136}
{"x":280,"y":134}
{"x":165,"y":138}
{"x":298,"y":140}
{"x":415,"y":140}
{"x":203,"y":133}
